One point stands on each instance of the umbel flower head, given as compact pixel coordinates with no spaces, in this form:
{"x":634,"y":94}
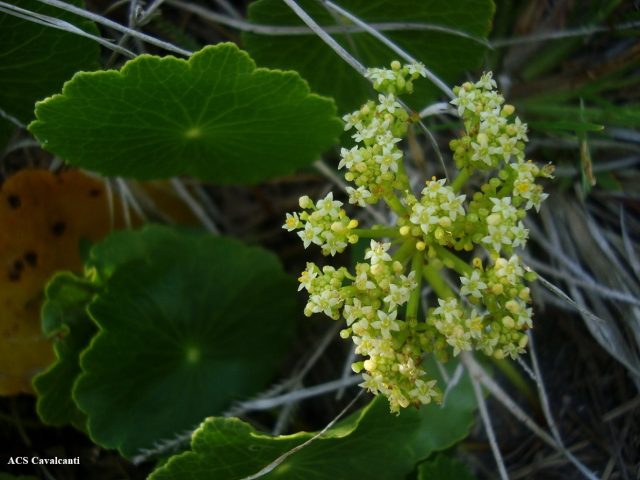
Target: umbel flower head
{"x":472,"y":232}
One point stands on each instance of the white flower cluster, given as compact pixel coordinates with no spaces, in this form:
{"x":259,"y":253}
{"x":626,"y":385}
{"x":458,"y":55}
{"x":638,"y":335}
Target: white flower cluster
{"x":504,"y":227}
{"x":398,"y":79}
{"x":490,"y":138}
{"x":373,"y":165}
{"x":439,"y":213}
{"x":370,"y":306}
{"x":524,"y":185}
{"x":500,"y":316}
{"x":379,"y":301}
{"x":324,"y":223}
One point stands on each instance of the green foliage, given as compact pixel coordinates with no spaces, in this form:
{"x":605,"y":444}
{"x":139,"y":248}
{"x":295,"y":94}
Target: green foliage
{"x":6,"y":128}
{"x":447,"y":54}
{"x":65,"y":320}
{"x":371,"y":443}
{"x":35,"y":60}
{"x":176,"y":338}
{"x":443,"y":467}
{"x":215,"y":116}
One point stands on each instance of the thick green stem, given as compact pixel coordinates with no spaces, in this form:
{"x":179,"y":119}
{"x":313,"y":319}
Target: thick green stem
{"x":435,"y":281}
{"x":402,"y":176}
{"x":405,"y":250}
{"x":376,"y":232}
{"x":395,"y":204}
{"x":461,"y":179}
{"x":414,"y":300}
{"x":459,"y":265}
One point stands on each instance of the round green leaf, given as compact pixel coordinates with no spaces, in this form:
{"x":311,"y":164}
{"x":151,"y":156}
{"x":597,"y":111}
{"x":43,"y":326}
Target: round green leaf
{"x":35,"y":59}
{"x":372,"y":444}
{"x":447,"y":54}
{"x":64,"y":319}
{"x":202,"y":321}
{"x":443,"y":467}
{"x":215,"y":116}
{"x":124,"y":246}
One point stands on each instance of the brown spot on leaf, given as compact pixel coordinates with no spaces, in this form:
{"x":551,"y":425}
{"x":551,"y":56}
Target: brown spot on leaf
{"x":38,"y":205}
{"x":13,"y":275}
{"x":58,"y":228}
{"x":31,"y":258}
{"x":14,"y":201}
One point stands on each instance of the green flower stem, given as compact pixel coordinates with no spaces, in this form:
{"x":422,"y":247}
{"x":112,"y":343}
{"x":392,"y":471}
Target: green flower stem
{"x":461,"y":179}
{"x":414,"y":300}
{"x":459,"y":265}
{"x":376,"y":232}
{"x":435,"y":281}
{"x":405,"y":250}
{"x":403,"y":177}
{"x":505,"y":190}
{"x":395,"y":204}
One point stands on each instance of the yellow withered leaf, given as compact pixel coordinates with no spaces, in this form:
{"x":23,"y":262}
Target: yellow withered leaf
{"x":43,"y":217}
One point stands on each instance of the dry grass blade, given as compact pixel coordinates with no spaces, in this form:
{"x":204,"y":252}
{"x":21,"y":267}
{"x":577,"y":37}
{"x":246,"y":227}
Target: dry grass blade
{"x":615,"y":325}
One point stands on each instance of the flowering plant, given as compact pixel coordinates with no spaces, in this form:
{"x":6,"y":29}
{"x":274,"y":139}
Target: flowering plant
{"x":474,"y":234}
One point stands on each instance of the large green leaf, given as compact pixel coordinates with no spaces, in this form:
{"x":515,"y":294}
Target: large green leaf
{"x":35,"y":60}
{"x":214,"y":116}
{"x":198,"y":322}
{"x":443,"y":468}
{"x":371,"y":444}
{"x":447,"y":54}
{"x":122,"y":247}
{"x":65,"y":320}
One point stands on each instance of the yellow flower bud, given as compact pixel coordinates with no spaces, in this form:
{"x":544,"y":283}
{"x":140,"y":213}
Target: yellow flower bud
{"x":525,"y":294}
{"x":508,"y":322}
{"x":305,"y":202}
{"x":337,"y":227}
{"x":512,"y":306}
{"x":508,"y":110}
{"x":524,"y":340}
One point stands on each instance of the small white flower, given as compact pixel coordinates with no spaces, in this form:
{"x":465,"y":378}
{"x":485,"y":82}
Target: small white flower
{"x":358,"y":196}
{"x":306,"y":277}
{"x":387,"y":103}
{"x":378,"y":252}
{"x":386,"y":323}
{"x":465,"y":101}
{"x":328,"y":206}
{"x":418,"y":68}
{"x":310,"y":235}
{"x":472,"y":285}
{"x":486,"y":81}
{"x":349,"y":157}
{"x":398,"y":295}
{"x":292,"y":222}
